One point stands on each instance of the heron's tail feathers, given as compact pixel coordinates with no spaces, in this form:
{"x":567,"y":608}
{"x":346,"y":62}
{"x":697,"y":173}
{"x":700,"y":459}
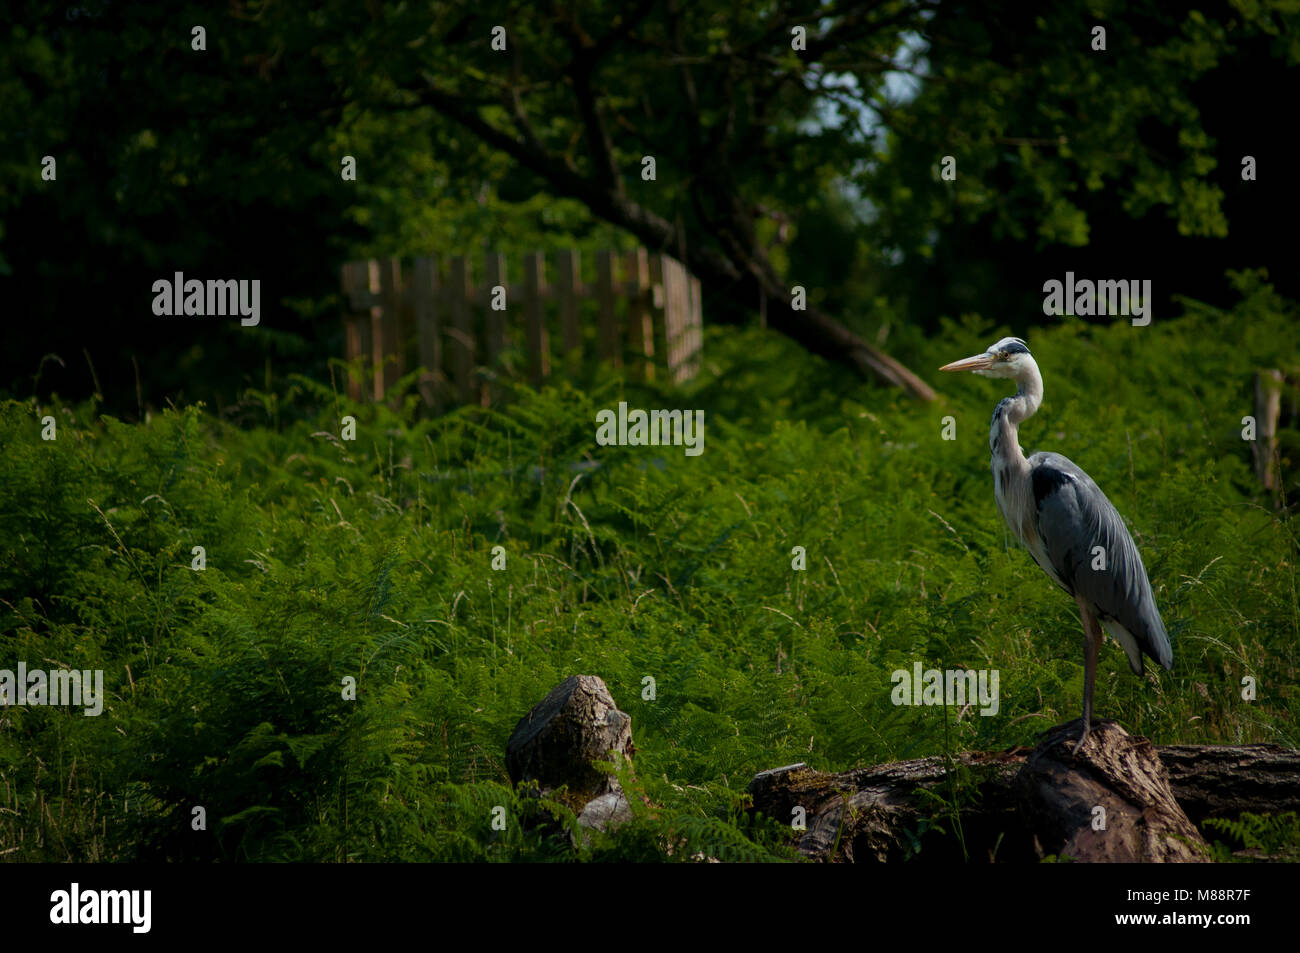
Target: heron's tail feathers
{"x":1153,"y":641}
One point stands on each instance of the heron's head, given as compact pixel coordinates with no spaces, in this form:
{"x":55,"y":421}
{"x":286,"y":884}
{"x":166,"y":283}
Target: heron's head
{"x":1010,"y":357}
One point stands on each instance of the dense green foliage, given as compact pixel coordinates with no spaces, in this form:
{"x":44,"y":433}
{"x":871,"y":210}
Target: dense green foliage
{"x":1271,"y":836}
{"x":817,"y":162}
{"x":1070,"y":157}
{"x":371,"y":559}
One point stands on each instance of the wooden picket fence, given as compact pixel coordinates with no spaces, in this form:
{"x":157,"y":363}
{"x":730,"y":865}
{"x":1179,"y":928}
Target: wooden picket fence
{"x":433,"y":314}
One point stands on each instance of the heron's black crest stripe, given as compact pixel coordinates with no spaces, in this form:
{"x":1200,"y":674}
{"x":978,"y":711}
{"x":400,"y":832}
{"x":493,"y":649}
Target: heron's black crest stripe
{"x":1017,"y":346}
{"x":1046,"y":481}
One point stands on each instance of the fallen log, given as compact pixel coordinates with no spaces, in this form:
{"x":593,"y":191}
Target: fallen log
{"x":1227,"y":780}
{"x":886,"y":812}
{"x":1025,"y":805}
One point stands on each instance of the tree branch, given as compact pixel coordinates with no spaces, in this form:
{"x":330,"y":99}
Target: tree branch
{"x":586,"y":55}
{"x":736,"y":267}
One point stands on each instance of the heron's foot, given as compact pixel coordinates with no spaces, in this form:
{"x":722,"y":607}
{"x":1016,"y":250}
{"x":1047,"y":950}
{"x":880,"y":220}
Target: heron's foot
{"x":1083,"y":736}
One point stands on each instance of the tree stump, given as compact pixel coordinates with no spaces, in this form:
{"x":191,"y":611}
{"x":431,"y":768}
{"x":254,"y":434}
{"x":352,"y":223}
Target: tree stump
{"x":1111,"y":803}
{"x":558,"y":741}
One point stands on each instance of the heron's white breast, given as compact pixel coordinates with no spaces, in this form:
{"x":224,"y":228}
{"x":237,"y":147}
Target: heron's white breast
{"x":1014,"y":492}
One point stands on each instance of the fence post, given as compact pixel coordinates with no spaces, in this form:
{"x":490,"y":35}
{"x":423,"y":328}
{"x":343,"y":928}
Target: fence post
{"x":424,"y":288}
{"x":641,"y":333}
{"x":461,"y":332}
{"x":389,"y":339}
{"x":569,"y":284}
{"x":676,"y":304}
{"x":658,"y":307}
{"x":371,"y":277}
{"x":358,"y":347}
{"x":610,"y":347}
{"x":539,"y":357}
{"x":494,"y":274}
{"x":697,"y":328}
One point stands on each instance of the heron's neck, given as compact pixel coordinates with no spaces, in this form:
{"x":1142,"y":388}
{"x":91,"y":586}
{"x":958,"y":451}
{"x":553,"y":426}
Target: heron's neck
{"x":1004,"y":432}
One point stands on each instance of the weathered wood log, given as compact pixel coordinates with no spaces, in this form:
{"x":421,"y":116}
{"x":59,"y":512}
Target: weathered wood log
{"x":557,"y":743}
{"x":879,"y":813}
{"x":1110,"y":803}
{"x":1227,"y":780}
{"x":1002,"y":806}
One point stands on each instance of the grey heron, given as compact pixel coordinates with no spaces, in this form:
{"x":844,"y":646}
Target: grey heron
{"x":1069,"y":527}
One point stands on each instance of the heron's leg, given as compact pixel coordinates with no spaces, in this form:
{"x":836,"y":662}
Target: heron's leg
{"x":1091,"y":645}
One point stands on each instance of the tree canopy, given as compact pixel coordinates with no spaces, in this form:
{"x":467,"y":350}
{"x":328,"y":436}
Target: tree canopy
{"x":799,"y":143}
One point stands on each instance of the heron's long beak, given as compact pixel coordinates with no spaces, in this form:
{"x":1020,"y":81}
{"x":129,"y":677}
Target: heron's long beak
{"x":976,"y":362}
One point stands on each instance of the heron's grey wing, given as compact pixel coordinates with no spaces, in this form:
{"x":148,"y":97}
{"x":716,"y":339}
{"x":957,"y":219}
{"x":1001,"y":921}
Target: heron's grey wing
{"x":1074,"y":519}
